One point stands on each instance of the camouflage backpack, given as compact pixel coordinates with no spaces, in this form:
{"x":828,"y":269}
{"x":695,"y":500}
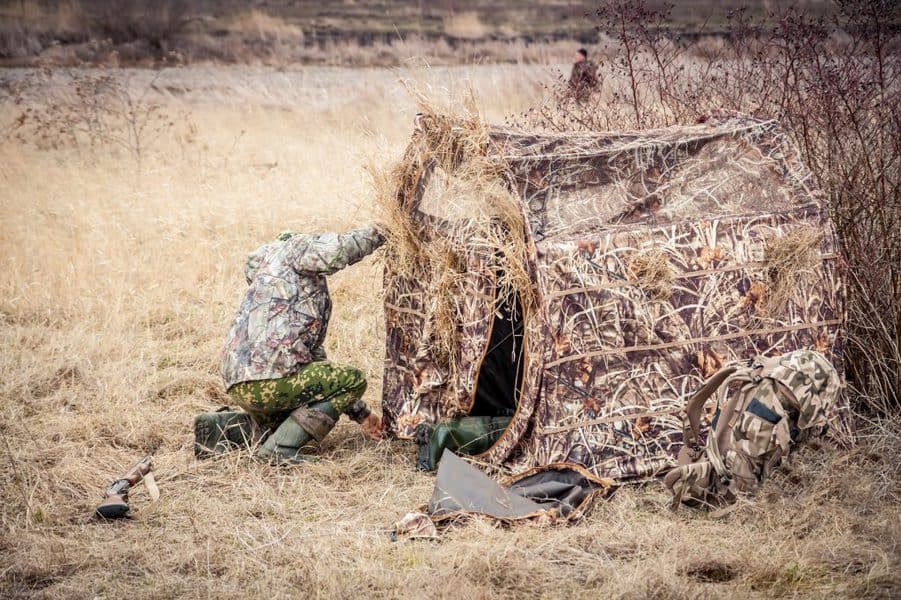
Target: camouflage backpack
{"x":762,"y":408}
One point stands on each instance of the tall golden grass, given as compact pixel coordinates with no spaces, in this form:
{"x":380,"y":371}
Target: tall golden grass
{"x":117,"y":285}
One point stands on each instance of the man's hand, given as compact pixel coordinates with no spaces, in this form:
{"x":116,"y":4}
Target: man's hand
{"x":372,"y":425}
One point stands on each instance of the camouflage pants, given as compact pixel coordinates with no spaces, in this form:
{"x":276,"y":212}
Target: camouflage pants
{"x":270,"y":401}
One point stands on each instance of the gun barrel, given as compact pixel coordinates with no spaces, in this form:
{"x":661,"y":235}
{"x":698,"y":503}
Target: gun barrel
{"x":139,"y":470}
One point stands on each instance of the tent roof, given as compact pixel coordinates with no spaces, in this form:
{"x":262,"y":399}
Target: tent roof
{"x":574,"y":183}
{"x":516,"y":146}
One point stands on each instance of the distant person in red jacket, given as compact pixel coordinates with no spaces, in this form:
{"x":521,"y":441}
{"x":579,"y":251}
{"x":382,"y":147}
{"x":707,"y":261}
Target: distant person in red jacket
{"x":584,"y":77}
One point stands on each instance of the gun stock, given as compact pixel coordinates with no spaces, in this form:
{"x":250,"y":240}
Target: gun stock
{"x":115,"y":499}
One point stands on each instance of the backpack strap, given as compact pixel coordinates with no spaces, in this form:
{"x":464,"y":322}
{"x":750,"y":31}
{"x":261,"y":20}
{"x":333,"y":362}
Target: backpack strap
{"x":719,"y":440}
{"x":692,"y":431}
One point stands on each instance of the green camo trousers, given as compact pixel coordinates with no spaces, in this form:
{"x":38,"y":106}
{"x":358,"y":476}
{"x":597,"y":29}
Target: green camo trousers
{"x":270,"y":401}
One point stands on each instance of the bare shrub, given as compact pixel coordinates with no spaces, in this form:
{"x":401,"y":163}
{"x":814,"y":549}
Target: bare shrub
{"x":93,"y":112}
{"x":836,"y":87}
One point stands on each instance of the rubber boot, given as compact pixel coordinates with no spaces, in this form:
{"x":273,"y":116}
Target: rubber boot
{"x":422,"y":435}
{"x":467,"y":435}
{"x":222,"y":431}
{"x":304,"y":425}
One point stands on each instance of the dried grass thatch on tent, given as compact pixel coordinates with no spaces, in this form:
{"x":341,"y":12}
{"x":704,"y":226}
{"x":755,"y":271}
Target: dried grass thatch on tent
{"x":483,"y":222}
{"x":641,"y":261}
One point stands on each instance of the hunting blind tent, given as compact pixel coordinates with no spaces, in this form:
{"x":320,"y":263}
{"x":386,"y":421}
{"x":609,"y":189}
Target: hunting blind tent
{"x":587,"y":283}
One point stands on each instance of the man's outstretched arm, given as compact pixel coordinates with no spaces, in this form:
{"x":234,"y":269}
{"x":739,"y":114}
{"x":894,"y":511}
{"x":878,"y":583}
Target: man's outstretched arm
{"x":327,"y":253}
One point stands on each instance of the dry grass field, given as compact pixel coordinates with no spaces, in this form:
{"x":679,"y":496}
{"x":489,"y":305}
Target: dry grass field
{"x":118,"y":281}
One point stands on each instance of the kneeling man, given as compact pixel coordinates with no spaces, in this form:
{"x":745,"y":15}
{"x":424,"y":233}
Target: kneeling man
{"x":274,"y":365}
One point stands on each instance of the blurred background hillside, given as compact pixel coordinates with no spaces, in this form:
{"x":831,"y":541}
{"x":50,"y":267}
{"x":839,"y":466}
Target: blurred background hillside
{"x":348,"y":32}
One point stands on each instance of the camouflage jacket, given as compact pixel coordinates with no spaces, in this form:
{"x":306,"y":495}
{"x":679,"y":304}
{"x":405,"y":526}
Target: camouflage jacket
{"x":583,"y":78}
{"x":283,"y":318}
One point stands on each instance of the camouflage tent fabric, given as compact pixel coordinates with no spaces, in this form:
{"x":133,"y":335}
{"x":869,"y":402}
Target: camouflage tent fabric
{"x":653,"y":258}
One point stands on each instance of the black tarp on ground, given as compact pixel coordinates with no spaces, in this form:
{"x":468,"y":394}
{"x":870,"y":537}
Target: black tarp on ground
{"x":462,"y":489}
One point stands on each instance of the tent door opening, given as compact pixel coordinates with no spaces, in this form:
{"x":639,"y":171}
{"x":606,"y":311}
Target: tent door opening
{"x":500,"y":375}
